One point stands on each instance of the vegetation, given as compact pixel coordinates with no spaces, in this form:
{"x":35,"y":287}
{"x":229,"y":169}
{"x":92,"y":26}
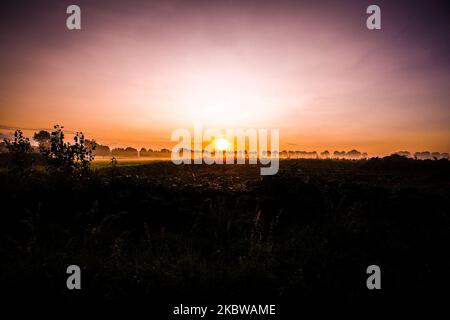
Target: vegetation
{"x":215,"y":232}
{"x":42,"y":138}
{"x":19,"y":149}
{"x":64,"y":158}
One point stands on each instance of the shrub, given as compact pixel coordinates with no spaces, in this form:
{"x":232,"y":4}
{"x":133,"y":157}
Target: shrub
{"x":64,"y":158}
{"x":20,"y":150}
{"x":42,"y":138}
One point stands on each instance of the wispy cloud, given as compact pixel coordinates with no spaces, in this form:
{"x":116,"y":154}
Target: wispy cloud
{"x":12,"y":128}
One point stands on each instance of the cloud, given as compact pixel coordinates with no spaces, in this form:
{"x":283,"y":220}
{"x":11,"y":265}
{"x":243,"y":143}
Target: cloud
{"x":11,"y":128}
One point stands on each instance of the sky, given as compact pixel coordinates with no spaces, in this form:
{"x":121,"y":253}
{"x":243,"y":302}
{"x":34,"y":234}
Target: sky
{"x":138,"y":70}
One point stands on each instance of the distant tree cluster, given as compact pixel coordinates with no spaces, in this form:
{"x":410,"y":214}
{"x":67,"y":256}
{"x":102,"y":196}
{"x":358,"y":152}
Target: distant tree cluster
{"x":128,"y":152}
{"x":353,"y":154}
{"x":102,"y":151}
{"x":426,"y":155}
{"x":145,"y":153}
{"x":124,"y":152}
{"x":423,"y":155}
{"x":406,"y":154}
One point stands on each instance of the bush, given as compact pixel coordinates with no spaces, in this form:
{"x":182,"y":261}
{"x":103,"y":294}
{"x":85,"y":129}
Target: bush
{"x":20,"y":150}
{"x":65,"y":158}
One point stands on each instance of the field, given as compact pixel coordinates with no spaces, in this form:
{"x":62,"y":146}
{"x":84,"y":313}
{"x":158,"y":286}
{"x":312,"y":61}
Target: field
{"x":99,"y":163}
{"x":208,"y":233}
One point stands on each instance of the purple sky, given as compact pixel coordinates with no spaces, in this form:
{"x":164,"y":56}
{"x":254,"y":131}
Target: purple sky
{"x":140,"y":69}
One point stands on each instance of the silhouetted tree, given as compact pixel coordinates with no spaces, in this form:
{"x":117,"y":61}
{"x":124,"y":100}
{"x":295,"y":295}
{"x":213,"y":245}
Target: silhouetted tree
{"x":65,"y":158}
{"x":339,"y":154}
{"x":422,"y":155}
{"x":42,"y":138}
{"x":99,"y":150}
{"x":403,"y":153}
{"x":20,"y":149}
{"x":353,"y":154}
{"x":127,"y":152}
{"x":146,"y":152}
{"x":436,"y":155}
{"x":325,"y":154}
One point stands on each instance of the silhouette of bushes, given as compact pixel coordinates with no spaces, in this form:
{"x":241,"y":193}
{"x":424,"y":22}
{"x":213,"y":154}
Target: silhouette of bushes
{"x":42,"y":138}
{"x":20,"y":154}
{"x":64,"y":158}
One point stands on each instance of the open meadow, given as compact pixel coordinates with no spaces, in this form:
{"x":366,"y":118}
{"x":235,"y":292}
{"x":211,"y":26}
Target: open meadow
{"x":202,"y":233}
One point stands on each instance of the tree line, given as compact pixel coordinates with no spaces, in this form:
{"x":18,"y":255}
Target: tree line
{"x":424,"y":155}
{"x":44,"y":139}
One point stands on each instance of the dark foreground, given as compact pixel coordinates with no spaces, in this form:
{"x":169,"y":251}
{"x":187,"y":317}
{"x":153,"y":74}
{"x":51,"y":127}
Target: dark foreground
{"x":217,"y":233}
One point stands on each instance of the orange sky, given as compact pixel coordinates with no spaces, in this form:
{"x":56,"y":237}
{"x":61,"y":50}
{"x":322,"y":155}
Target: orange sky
{"x":136,"y":72}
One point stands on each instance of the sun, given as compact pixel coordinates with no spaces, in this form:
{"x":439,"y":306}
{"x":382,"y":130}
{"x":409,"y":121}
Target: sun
{"x":221,"y":144}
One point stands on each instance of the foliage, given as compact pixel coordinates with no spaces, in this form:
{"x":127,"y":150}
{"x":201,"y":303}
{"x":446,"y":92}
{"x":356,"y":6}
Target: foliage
{"x":64,"y":158}
{"x":20,"y":149}
{"x":43,"y":138}
{"x":124,"y":152}
{"x":218,"y":232}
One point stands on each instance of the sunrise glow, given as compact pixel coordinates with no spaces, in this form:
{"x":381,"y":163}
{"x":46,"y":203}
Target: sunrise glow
{"x":221,"y":144}
{"x":133,"y":74}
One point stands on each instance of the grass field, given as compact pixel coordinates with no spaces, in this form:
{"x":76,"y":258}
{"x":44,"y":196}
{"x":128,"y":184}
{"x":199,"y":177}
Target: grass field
{"x":159,"y":231}
{"x":106,"y":161}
